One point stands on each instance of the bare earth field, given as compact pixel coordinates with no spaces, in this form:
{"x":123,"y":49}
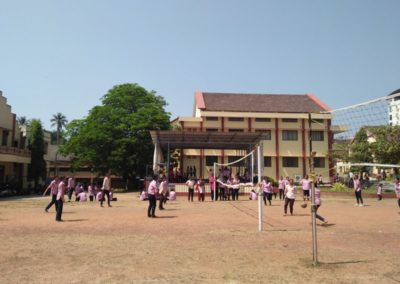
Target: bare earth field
{"x":210,"y":242}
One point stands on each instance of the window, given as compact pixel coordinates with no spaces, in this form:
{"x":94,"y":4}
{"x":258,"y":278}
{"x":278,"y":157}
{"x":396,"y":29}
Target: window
{"x":289,"y":119}
{"x":210,"y":160}
{"x":319,"y":162}
{"x":267,"y":133}
{"x":289,"y":135}
{"x":5,"y":138}
{"x":317,"y":135}
{"x":191,"y":129}
{"x":211,"y":118}
{"x":290,"y":162}
{"x":267,"y":162}
{"x":235,"y":119}
{"x":263,"y":119}
{"x":212,"y":129}
{"x":235,"y":130}
{"x":232,"y":159}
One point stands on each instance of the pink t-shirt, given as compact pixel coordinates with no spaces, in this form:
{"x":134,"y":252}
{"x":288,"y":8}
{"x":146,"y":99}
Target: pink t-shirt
{"x":379,"y":190}
{"x":317,"y":196}
{"x":61,"y":191}
{"x":143,"y":195}
{"x":172,"y":195}
{"x":306,"y":183}
{"x":267,"y":186}
{"x":282,"y":184}
{"x":253,"y":196}
{"x":99,"y":196}
{"x":53,"y":187}
{"x":357,"y":185}
{"x":152,"y":189}
{"x":397,"y":189}
{"x":82,"y":197}
{"x":211,"y":181}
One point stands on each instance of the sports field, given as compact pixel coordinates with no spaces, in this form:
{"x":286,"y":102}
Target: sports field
{"x":210,"y":242}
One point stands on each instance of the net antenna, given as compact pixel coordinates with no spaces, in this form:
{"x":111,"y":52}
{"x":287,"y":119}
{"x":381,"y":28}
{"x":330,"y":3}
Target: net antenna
{"x":258,"y":151}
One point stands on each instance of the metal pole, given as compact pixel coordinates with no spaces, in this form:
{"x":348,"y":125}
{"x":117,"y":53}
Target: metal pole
{"x":215,"y":182}
{"x":168,"y":163}
{"x":313,"y":213}
{"x":259,"y":155}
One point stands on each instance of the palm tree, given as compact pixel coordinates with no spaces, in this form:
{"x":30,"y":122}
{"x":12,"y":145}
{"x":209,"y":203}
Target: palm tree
{"x":59,"y":120}
{"x":22,"y":120}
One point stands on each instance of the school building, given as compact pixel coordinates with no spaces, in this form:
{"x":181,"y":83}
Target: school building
{"x":283,"y":121}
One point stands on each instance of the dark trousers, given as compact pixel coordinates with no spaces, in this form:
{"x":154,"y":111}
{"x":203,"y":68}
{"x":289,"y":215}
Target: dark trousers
{"x":152,"y":205}
{"x":222,"y":194}
{"x":235,"y":194}
{"x":161,"y":202}
{"x":281,"y":194}
{"x":306,"y":194}
{"x":201,"y":197}
{"x":70,"y":191}
{"x":289,"y":202}
{"x":398,"y":202}
{"x":105,"y":193}
{"x":359,"y":197}
{"x":267,"y":196}
{"x":53,"y":201}
{"x":59,"y":209}
{"x":190,"y":194}
{"x":379,"y":196}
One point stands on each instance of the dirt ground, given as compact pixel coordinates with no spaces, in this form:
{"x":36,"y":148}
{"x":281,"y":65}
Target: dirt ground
{"x":210,"y":242}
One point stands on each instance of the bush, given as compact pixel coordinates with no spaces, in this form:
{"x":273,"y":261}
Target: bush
{"x":339,"y":187}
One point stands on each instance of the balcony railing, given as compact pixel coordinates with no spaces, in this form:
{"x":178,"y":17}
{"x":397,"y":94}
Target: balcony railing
{"x":14,"y":151}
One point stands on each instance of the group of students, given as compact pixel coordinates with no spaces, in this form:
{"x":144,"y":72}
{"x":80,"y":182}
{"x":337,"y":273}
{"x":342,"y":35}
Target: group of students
{"x":157,"y":188}
{"x":60,"y":186}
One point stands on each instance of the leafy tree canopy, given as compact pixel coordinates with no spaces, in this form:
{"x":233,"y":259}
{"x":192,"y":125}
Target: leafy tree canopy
{"x":386,"y":147}
{"x":115,"y":135}
{"x":360,"y":150}
{"x":36,"y":146}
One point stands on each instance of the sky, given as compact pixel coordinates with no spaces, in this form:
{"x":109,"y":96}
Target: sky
{"x":64,"y":55}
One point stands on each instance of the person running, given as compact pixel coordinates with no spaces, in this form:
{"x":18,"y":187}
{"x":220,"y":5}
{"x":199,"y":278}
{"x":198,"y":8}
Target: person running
{"x":70,"y":187}
{"x":281,"y":187}
{"x":152,"y":196}
{"x":357,"y":191}
{"x":290,"y":196}
{"x":105,"y":190}
{"x":60,"y":199}
{"x":190,"y":183}
{"x":53,"y":192}
{"x":318,"y":204}
{"x":306,"y":184}
{"x":162,"y":191}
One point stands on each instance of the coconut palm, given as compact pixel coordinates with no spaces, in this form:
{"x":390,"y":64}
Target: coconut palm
{"x":59,"y":120}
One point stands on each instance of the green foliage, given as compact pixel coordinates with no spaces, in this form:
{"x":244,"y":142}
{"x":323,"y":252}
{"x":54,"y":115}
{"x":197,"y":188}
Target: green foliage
{"x":36,"y":146}
{"x":115,"y":135}
{"x":387,"y":146}
{"x":339,"y":187}
{"x":341,"y":151}
{"x":59,"y":120}
{"x":361,"y":148}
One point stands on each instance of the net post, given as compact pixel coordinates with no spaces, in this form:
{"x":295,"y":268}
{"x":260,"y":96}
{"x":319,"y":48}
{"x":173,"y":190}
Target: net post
{"x":260,"y":164}
{"x":313,"y":212}
{"x":215,"y":182}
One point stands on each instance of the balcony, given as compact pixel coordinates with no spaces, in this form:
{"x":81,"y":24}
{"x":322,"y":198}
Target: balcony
{"x":14,"y":155}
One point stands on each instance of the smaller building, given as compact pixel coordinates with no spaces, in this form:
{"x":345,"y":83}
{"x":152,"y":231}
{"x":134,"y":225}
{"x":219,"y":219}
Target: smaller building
{"x":394,"y":108}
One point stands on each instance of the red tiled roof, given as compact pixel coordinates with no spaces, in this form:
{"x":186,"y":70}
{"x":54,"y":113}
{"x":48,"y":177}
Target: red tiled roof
{"x":262,"y":103}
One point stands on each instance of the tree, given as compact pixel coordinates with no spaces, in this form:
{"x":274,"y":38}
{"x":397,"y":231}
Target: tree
{"x":386,"y":147}
{"x":360,"y":150}
{"x":115,"y":135}
{"x":37,"y":167}
{"x":60,"y":121}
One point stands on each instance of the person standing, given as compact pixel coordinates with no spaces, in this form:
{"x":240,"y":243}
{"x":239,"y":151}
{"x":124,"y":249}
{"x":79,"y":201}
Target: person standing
{"x":290,"y":196}
{"x":70,"y":187}
{"x":152,"y":195}
{"x":190,"y":183}
{"x":60,"y":199}
{"x":53,"y":186}
{"x":162,"y":191}
{"x":281,"y":187}
{"x":306,"y":184}
{"x":267,"y":191}
{"x":202,"y":189}
{"x":105,"y":190}
{"x":379,"y":191}
{"x":236,"y":187}
{"x":357,"y":191}
{"x":211,"y":180}
{"x":397,"y":190}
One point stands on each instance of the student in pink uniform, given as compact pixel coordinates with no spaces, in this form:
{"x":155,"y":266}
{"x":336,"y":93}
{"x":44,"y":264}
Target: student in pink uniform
{"x":281,"y":187}
{"x":202,"y":189}
{"x":172,"y":195}
{"x":397,"y":190}
{"x":290,"y":196}
{"x":162,"y":192}
{"x":379,"y":191}
{"x":53,"y":192}
{"x":106,"y":190}
{"x":82,"y":197}
{"x":152,"y":195}
{"x":70,"y":187}
{"x":143,"y":196}
{"x":357,"y":191}
{"x":190,"y":183}
{"x":253,"y":195}
{"x":267,"y":191}
{"x":60,"y":199}
{"x":318,"y":203}
{"x":211,"y":180}
{"x":306,"y":184}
